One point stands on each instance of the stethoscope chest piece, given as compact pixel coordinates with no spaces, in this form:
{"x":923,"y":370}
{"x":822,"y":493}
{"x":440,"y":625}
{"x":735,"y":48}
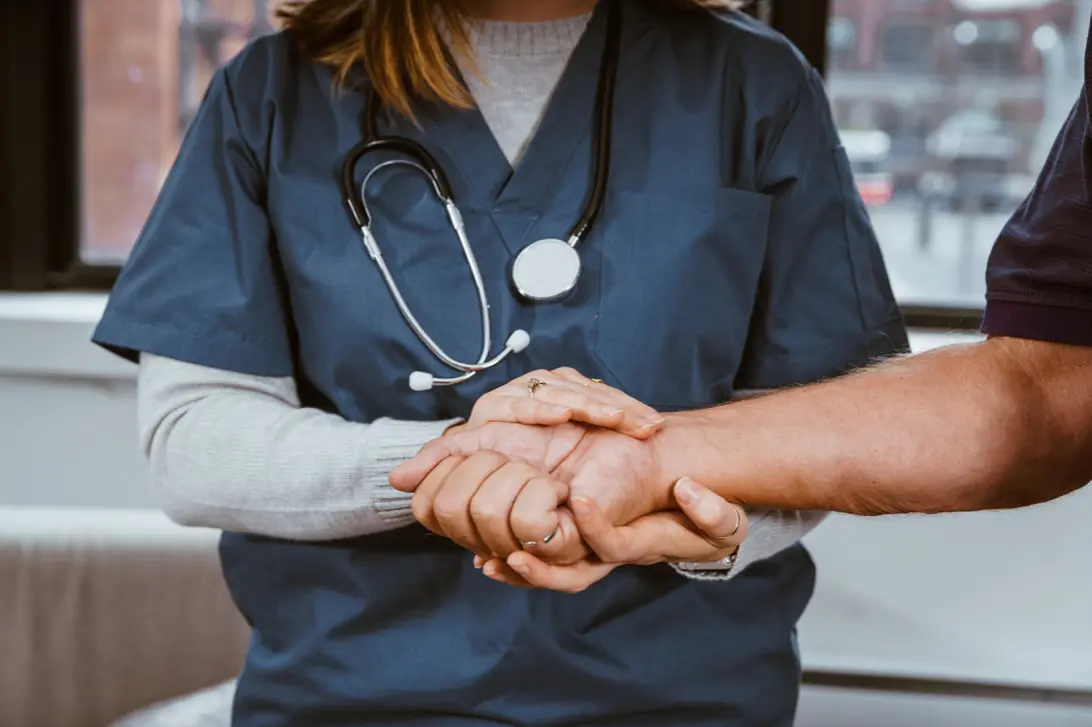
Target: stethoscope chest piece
{"x":546,"y":270}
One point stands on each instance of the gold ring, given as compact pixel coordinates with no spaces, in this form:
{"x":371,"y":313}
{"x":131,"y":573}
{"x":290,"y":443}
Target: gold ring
{"x":534,"y":385}
{"x":739,"y":520}
{"x":589,"y":382}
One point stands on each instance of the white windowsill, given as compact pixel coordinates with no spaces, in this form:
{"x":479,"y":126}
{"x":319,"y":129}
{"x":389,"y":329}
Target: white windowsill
{"x":47,"y":335}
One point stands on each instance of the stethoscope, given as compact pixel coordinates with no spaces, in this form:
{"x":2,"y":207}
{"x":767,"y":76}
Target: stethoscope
{"x":545,"y":271}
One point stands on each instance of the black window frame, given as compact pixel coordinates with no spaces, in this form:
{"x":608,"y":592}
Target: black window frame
{"x":40,"y":117}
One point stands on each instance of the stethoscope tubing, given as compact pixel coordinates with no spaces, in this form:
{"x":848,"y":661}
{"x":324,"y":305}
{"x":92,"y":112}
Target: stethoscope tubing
{"x":420,"y":159}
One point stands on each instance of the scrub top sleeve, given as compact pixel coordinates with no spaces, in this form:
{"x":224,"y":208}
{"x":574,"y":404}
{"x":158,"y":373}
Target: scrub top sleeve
{"x":824,"y":302}
{"x":201,"y":284}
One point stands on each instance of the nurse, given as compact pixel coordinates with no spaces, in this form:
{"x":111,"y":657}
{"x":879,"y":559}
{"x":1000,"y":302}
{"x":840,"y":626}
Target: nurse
{"x":688,"y":155}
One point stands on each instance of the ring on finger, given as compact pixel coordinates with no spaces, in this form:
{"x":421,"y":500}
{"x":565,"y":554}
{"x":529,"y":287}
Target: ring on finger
{"x":534,"y":385}
{"x":589,"y":382}
{"x":739,"y":520}
{"x":545,"y":541}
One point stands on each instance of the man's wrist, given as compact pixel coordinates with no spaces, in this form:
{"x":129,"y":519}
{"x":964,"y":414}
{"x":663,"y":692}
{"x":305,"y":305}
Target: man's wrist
{"x":681,"y":447}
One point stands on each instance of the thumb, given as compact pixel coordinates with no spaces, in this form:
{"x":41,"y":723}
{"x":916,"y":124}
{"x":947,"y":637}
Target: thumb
{"x":721,"y":522}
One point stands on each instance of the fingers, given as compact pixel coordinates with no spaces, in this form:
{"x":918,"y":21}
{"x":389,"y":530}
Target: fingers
{"x":535,"y":514}
{"x":491,"y":506}
{"x":426,"y":493}
{"x":566,"y":578}
{"x":707,"y":528}
{"x":409,"y":476}
{"x":566,"y":546}
{"x":450,"y":505}
{"x":567,"y":395}
{"x":640,"y":420}
{"x":612,"y":544}
{"x":722,"y":523}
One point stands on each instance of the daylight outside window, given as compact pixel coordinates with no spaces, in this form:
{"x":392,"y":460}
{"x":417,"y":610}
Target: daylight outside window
{"x":947,"y":109}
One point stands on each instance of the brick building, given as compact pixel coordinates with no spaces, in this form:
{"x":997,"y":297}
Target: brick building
{"x":144,"y":66}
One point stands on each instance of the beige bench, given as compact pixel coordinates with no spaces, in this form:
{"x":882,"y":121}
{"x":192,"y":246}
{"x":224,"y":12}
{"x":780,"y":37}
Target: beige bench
{"x":104,"y":612}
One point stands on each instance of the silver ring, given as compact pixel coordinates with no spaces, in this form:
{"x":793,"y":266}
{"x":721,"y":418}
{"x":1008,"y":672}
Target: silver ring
{"x":545,"y":541}
{"x":739,"y":520}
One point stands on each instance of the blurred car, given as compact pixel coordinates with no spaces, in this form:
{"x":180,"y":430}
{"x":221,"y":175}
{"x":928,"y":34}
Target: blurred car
{"x":972,"y":156}
{"x":869,"y":153}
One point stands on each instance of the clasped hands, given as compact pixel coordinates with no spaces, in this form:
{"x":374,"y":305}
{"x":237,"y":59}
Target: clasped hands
{"x":556,"y":484}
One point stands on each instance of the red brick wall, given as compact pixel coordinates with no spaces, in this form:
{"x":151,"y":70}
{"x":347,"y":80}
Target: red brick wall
{"x":130,"y":73}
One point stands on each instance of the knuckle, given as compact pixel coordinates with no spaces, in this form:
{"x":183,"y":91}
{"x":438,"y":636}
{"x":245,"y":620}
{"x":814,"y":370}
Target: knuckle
{"x":447,"y":508}
{"x":420,"y":508}
{"x":488,"y":510}
{"x":566,"y":371}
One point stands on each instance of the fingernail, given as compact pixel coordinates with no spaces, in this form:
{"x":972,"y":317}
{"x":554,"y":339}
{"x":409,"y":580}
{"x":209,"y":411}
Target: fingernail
{"x":490,"y":569}
{"x":580,"y":507}
{"x":519,"y":567}
{"x":652,"y":421}
{"x":478,"y":562}
{"x":686,"y":491}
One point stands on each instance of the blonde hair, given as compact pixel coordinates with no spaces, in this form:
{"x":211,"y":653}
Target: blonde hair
{"x":401,"y":44}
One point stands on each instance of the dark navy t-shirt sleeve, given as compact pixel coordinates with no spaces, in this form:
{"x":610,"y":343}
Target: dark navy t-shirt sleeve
{"x":1039,"y":279}
{"x":201,"y":284}
{"x":824,"y":303}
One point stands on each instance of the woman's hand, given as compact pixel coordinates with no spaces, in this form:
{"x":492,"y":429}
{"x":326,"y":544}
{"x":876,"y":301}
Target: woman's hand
{"x":495,"y":506}
{"x":706,"y":528}
{"x":495,"y":486}
{"x":565,"y":395}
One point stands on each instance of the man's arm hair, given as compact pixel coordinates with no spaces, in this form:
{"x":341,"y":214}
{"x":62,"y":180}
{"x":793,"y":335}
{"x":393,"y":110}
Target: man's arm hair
{"x":998,"y":424}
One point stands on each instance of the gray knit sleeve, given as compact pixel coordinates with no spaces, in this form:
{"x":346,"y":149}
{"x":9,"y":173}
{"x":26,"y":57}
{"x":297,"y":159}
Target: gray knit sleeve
{"x":236,"y":452}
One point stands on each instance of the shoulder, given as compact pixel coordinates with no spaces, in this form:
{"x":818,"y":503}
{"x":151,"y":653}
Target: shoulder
{"x":748,"y":47}
{"x":751,"y":59}
{"x":263,"y":68}
{"x":265,"y":81}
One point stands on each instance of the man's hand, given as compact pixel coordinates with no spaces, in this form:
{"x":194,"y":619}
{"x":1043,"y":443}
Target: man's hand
{"x":706,"y":528}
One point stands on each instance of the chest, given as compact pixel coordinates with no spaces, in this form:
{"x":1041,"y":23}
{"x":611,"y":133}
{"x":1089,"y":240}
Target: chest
{"x":669,"y":269}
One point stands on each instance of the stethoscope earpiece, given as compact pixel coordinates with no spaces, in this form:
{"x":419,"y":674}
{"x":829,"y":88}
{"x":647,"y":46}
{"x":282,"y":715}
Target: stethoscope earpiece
{"x":421,"y":381}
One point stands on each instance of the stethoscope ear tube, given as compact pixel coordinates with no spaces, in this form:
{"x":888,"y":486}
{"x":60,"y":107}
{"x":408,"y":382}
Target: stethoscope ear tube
{"x":544,"y":271}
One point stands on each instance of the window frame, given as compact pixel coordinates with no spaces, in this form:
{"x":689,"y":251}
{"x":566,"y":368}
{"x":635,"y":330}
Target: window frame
{"x":41,"y":217}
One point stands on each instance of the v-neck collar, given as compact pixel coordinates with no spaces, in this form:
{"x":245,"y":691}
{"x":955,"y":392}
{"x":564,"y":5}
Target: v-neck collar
{"x":467,"y":139}
{"x":517,"y":198}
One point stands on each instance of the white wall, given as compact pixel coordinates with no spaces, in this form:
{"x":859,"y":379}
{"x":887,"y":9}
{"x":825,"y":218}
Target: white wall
{"x":1000,"y":598}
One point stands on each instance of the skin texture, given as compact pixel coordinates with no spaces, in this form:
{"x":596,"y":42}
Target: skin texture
{"x":526,"y":467}
{"x":999,"y":424}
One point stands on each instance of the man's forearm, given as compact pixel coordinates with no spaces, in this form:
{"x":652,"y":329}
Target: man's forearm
{"x":998,"y":424}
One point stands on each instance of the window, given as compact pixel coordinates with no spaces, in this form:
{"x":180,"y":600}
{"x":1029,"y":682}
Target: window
{"x":947,"y":115}
{"x":144,"y":67}
{"x":947,"y":109}
{"x":842,"y":42}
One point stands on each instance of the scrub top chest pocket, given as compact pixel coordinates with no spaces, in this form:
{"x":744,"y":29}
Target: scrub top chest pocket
{"x":679,"y":272}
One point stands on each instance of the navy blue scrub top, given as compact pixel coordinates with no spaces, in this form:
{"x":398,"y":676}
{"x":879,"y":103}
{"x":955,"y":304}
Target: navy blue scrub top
{"x":733,"y":252}
{"x":1039,"y":280}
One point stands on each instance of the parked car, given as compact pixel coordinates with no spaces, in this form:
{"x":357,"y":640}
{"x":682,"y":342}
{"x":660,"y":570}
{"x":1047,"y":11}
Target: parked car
{"x":972,"y":155}
{"x":869,"y":153}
